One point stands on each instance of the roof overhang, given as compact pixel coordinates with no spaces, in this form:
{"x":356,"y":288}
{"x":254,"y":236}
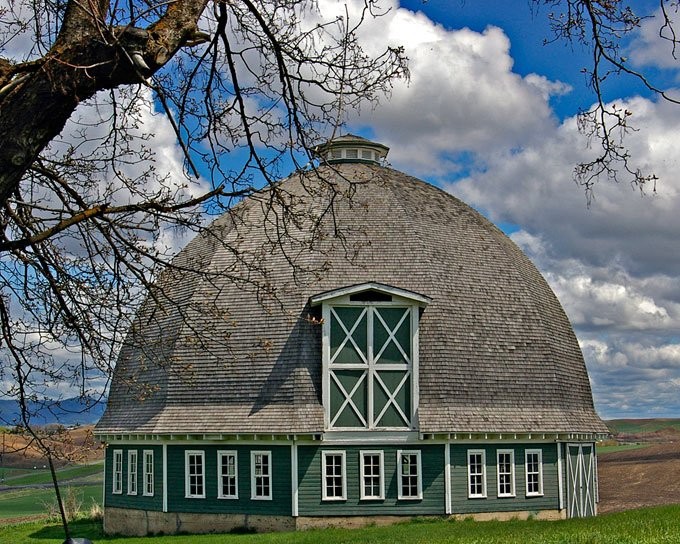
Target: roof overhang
{"x":346,"y":292}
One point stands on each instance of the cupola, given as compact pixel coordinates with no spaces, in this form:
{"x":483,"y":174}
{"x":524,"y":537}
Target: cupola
{"x":352,"y":148}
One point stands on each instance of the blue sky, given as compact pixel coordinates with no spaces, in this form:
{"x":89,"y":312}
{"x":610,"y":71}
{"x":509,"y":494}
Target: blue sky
{"x":489,"y":115}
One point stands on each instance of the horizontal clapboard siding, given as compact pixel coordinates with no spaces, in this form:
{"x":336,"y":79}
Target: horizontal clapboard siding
{"x":492,"y":503}
{"x":281,"y":478}
{"x":309,"y":491}
{"x":138,"y":501}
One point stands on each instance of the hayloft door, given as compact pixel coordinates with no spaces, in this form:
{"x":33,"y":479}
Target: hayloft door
{"x":581,"y":480}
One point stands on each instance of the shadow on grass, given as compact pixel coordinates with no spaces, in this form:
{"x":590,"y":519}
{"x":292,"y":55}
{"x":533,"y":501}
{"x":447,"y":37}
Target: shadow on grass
{"x":83,"y":528}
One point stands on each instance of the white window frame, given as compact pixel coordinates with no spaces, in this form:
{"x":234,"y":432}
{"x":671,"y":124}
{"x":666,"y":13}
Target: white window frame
{"x":481,"y":495}
{"x":187,"y":475}
{"x":253,"y":476}
{"x":381,"y":475}
{"x":117,"y":472}
{"x":343,"y":297}
{"x":220,"y":487}
{"x":343,"y":475}
{"x":148,"y":473}
{"x":132,"y":470}
{"x":419,"y":476}
{"x":539,"y":453}
{"x":511,"y":453}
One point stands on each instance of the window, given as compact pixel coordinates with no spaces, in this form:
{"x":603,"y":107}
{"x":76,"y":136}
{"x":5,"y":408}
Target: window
{"x":372,"y":475}
{"x":534,"y":472}
{"x":408,"y":465}
{"x":261,"y":475}
{"x":333,"y":470}
{"x":117,"y":471}
{"x":227,"y":475}
{"x":476,"y":474}
{"x":370,"y":383}
{"x":148,"y":473}
{"x":132,"y":472}
{"x":194,"y":475}
{"x":506,"y":472}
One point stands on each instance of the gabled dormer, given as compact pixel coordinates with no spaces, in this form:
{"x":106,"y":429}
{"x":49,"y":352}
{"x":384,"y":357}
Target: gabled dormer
{"x":370,"y":357}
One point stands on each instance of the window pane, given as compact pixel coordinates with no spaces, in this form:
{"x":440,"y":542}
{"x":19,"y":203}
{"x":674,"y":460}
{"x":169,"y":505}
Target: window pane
{"x":228,"y":475}
{"x":371,"y":476}
{"x":333,"y":476}
{"x":476,"y":474}
{"x":409,"y":475}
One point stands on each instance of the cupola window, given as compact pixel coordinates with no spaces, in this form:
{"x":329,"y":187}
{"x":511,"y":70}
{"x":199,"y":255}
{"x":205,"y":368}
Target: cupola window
{"x":351,"y":148}
{"x":370,"y":357}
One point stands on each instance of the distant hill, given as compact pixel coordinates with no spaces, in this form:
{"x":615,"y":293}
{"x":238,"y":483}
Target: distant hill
{"x":73,"y":411}
{"x":645,"y":430}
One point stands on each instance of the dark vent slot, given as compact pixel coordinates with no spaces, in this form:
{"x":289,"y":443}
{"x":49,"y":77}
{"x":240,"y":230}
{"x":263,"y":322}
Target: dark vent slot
{"x":370,"y":296}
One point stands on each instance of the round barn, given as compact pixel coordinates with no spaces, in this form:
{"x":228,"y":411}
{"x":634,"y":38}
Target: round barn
{"x":351,"y":345}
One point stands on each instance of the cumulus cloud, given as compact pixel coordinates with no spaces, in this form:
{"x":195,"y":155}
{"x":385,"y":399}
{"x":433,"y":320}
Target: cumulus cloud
{"x":463,"y":99}
{"x":653,"y":44}
{"x":614,"y":265}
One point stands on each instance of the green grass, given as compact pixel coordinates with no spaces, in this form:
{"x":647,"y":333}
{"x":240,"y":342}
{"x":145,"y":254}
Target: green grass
{"x":29,"y":502}
{"x":44,"y":477}
{"x":646,"y":526}
{"x":637,"y":426}
{"x":620,"y":447}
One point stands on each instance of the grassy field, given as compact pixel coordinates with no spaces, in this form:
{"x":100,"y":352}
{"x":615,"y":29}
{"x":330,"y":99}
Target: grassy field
{"x":646,"y":526}
{"x":17,"y":477}
{"x":31,"y":502}
{"x":639,"y":426}
{"x":619,"y":447}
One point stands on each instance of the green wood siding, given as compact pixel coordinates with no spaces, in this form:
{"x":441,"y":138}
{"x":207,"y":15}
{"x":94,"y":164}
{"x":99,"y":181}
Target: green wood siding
{"x":140,"y":501}
{"x":492,"y":503}
{"x":281,"y":481}
{"x":310,"y":481}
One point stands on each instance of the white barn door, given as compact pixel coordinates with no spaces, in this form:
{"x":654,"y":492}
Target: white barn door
{"x":581,"y":480}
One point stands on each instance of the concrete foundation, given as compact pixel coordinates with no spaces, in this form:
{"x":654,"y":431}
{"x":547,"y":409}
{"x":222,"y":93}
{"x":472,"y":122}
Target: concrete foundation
{"x":128,"y":522}
{"x":143,"y":522}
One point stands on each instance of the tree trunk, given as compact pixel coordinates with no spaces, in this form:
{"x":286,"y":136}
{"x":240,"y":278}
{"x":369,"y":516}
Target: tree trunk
{"x":37,"y":99}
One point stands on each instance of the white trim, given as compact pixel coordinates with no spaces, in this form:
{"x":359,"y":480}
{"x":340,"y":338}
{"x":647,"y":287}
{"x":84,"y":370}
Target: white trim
{"x":343,"y":475}
{"x":220,"y":489}
{"x":104,"y":483}
{"x":325,"y":359}
{"x":370,"y":367}
{"x":370,"y":286}
{"x":146,"y":473}
{"x":560,"y":475}
{"x":187,"y":476}
{"x":132,"y":472}
{"x":415,"y":363}
{"x":117,"y":472}
{"x":481,"y":495}
{"x":419,"y":476}
{"x":165,"y":477}
{"x":510,"y":452}
{"x":381,"y":475}
{"x":447,"y":478}
{"x":294,"y":479}
{"x":527,"y":453}
{"x":267,"y":478}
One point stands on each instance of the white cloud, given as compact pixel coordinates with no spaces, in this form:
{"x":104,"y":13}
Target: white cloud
{"x":653,"y":44}
{"x":462,"y":97}
{"x":616,"y":265}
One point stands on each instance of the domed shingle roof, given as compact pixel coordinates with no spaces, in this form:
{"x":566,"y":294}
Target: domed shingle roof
{"x":237,"y":348}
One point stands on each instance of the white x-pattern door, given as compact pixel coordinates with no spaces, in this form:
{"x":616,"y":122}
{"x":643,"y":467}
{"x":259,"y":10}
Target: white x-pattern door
{"x":581,"y":480}
{"x":370,"y":367}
